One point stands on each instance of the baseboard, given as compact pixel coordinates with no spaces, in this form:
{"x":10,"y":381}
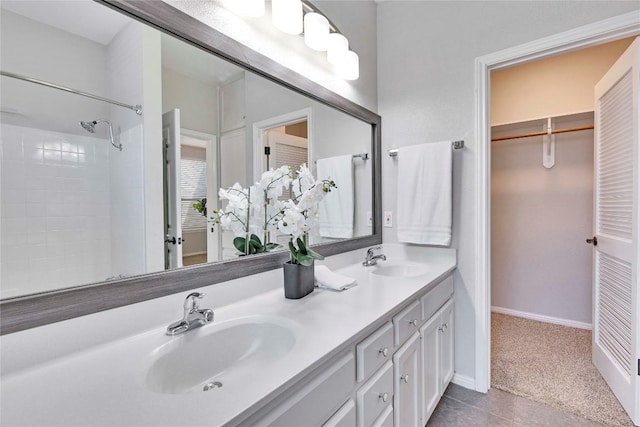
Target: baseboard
{"x":464,"y":381}
{"x":541,"y":318}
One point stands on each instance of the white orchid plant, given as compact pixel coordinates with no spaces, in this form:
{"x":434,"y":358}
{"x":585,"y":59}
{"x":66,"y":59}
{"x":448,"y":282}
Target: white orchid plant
{"x":259,"y":210}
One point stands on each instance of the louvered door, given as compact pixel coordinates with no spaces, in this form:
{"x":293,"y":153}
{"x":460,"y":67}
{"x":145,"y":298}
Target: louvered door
{"x":615,"y":310}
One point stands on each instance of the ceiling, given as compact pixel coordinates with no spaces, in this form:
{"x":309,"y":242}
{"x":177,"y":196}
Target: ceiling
{"x":86,"y":19}
{"x":93,"y":21}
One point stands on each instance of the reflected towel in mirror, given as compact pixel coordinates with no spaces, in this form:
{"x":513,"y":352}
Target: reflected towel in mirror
{"x":336,"y":209}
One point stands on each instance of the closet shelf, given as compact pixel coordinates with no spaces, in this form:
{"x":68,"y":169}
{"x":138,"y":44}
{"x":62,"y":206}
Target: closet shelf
{"x":503,"y":129}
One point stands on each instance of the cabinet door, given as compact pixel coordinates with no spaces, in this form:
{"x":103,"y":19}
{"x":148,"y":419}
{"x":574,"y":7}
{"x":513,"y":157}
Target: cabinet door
{"x":430,"y":358}
{"x":406,"y":376}
{"x":446,"y":345}
{"x":232,"y":105}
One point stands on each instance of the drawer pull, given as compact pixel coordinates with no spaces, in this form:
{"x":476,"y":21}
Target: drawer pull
{"x":405,"y":378}
{"x":384,"y":351}
{"x":413,"y":322}
{"x":446,"y":325}
{"x":384,"y":397}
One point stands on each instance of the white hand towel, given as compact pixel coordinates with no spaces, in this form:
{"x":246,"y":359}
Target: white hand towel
{"x":336,"y":209}
{"x":327,"y":279}
{"x":425,"y":194}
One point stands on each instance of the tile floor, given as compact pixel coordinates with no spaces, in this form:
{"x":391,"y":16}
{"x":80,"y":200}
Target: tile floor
{"x":462,"y":407}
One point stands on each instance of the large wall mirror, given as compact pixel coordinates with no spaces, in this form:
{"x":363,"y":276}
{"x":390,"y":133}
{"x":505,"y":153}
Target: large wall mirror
{"x":103,"y":207}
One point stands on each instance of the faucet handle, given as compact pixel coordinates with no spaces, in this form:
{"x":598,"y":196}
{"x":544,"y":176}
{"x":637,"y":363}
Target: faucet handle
{"x":373,"y":248}
{"x":190,"y":303}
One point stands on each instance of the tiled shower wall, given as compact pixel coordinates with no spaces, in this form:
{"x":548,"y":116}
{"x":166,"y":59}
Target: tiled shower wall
{"x":55,"y":218}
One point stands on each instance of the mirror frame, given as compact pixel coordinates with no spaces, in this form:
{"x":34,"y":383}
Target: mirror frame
{"x":29,"y":311}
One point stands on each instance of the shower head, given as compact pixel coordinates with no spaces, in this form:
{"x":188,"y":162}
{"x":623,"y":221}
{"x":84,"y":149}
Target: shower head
{"x":91,"y":128}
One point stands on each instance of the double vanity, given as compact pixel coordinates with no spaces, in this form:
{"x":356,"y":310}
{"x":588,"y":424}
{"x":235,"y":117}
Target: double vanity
{"x":380,"y":353}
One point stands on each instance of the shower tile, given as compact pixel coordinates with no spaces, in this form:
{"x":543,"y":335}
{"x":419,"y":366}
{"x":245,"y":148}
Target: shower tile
{"x":13,"y":150}
{"x":33,"y":155}
{"x":15,"y":210}
{"x":52,"y":156}
{"x":69,"y":147}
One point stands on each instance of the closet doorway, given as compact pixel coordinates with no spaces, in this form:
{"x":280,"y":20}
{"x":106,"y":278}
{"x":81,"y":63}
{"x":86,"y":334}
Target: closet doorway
{"x":542,"y":204}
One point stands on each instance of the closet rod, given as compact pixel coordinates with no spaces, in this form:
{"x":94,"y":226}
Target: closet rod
{"x":542,"y":133}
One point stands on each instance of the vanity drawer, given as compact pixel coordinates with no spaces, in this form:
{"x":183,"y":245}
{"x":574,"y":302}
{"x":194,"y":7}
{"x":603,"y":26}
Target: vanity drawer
{"x":375,"y":395}
{"x":317,"y":399}
{"x":345,"y":417}
{"x":385,"y":419}
{"x":406,"y":322}
{"x":374,"y":350}
{"x":436,"y":297}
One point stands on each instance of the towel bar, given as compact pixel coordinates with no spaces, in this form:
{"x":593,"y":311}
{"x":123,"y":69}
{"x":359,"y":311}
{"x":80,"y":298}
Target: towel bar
{"x":456,"y":145}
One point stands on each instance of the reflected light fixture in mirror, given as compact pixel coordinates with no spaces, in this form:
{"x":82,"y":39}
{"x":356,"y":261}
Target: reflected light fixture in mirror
{"x":286,"y":15}
{"x":247,"y":8}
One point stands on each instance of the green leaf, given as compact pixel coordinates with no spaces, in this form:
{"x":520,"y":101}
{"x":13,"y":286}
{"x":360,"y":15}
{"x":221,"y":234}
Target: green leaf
{"x":302,"y":246}
{"x":255,"y":239}
{"x":314,"y":254}
{"x":293,"y":249}
{"x":305,"y":259}
{"x":271,"y":246}
{"x":255,"y":247}
{"x":239,"y":243}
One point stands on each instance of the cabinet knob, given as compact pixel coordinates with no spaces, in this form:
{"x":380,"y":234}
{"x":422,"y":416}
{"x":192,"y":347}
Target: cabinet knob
{"x":446,"y":325}
{"x":384,"y":351}
{"x":413,"y":322}
{"x":384,"y":397}
{"x":405,"y":378}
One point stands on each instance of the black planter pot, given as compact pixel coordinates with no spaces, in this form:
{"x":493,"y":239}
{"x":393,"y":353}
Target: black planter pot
{"x":298,"y":280}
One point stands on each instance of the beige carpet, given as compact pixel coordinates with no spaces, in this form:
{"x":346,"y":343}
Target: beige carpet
{"x":551,"y":364}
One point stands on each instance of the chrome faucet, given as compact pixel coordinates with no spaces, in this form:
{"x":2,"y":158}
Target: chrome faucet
{"x":371,"y":259}
{"x":193,"y":318}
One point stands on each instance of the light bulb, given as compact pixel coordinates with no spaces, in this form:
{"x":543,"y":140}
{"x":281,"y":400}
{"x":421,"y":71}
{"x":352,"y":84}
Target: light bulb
{"x":316,"y":31}
{"x":337,"y":47}
{"x":349,"y":66}
{"x":287,"y":15}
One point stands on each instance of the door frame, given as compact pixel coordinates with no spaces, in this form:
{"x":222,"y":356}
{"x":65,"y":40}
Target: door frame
{"x":211,"y":159}
{"x":282,"y":120}
{"x":608,"y":30}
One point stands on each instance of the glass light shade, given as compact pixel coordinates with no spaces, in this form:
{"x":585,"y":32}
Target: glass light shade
{"x":316,"y":31}
{"x":337,"y":47}
{"x":287,"y":15}
{"x":349,"y":66}
{"x":248,"y":8}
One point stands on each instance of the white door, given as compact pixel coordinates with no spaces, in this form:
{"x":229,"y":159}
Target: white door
{"x":213,"y":236}
{"x":172,"y":199}
{"x":446,"y":346}
{"x":616,"y":321}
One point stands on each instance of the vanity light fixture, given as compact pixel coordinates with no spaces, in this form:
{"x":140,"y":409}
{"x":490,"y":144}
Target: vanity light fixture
{"x":286,"y":15}
{"x":298,"y":16}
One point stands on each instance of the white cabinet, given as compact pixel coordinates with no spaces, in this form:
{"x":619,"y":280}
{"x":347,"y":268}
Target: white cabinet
{"x":319,"y":397}
{"x":232,"y":105}
{"x":446,"y":345}
{"x":430,"y":333}
{"x":407,"y":384}
{"x":375,"y":396}
{"x":436,"y":357}
{"x":374,"y":351}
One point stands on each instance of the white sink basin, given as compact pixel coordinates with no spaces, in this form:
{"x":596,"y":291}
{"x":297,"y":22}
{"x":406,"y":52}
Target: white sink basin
{"x":400,"y":270}
{"x":203,"y":359}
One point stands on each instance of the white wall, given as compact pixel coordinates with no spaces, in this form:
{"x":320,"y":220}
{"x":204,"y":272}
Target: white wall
{"x":426,"y":53}
{"x":540,"y":219}
{"x":127,"y":193}
{"x":197,"y":101}
{"x":552,"y":86}
{"x":355,"y":19}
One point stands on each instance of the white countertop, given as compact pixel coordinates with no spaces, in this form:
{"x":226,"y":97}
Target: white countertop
{"x":104,"y":385}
